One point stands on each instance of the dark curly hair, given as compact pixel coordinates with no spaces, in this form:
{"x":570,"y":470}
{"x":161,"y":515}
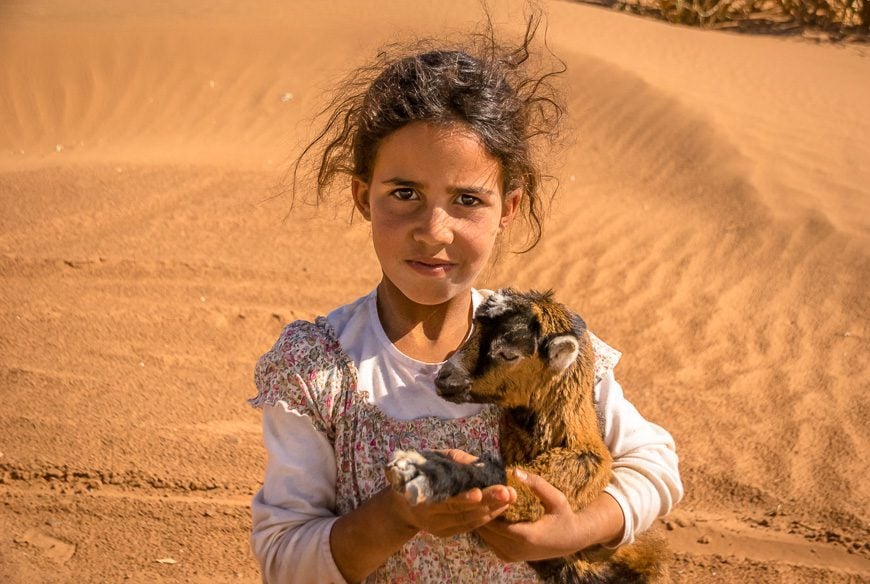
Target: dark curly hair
{"x":488,"y":87}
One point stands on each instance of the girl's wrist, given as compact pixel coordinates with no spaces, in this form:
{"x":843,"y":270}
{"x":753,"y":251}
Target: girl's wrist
{"x":600,"y":523}
{"x":403,"y":523}
{"x":363,"y":539}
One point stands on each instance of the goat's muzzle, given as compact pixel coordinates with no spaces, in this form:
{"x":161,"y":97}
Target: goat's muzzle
{"x":452,"y":383}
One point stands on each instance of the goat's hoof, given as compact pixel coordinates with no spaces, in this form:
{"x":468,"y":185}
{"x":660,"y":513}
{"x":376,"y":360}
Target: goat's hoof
{"x":405,"y":476}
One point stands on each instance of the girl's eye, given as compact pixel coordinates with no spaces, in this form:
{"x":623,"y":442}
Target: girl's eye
{"x":405,"y":194}
{"x":468,"y":200}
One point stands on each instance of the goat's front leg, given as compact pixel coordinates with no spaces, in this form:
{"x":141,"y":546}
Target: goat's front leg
{"x":580,"y":475}
{"x":431,"y":476}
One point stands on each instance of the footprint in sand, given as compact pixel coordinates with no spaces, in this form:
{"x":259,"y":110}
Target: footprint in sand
{"x":52,"y":548}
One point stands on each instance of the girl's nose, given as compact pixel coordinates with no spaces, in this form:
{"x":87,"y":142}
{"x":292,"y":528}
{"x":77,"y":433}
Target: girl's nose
{"x":434,"y":226}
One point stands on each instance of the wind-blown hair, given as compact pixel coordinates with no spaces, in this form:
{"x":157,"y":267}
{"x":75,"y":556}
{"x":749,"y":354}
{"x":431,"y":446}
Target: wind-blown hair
{"x":489,"y":88}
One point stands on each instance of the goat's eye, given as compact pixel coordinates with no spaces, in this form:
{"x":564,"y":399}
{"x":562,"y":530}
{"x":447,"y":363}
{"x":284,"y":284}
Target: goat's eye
{"x":507,"y":356}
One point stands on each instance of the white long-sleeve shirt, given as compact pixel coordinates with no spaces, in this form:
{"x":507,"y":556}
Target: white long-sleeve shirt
{"x":292,"y":513}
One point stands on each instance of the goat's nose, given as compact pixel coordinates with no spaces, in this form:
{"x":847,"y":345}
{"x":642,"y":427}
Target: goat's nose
{"x":450,"y":382}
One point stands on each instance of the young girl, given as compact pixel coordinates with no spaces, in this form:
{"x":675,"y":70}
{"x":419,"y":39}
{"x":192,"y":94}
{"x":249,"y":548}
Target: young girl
{"x":439,"y":151}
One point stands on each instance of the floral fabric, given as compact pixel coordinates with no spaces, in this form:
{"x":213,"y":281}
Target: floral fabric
{"x":308,"y":371}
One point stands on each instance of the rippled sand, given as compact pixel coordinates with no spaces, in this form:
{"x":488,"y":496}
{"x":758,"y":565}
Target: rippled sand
{"x":711,"y":222}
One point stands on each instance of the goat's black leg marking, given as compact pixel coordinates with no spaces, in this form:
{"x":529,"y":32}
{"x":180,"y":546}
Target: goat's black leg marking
{"x":432,"y":476}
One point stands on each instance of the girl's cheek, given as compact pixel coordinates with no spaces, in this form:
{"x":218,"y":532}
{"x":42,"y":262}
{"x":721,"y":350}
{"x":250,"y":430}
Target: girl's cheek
{"x":395,"y":219}
{"x":488,"y":230}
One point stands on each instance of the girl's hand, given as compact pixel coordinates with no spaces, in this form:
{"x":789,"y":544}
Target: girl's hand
{"x":559,"y":532}
{"x":464,"y":512}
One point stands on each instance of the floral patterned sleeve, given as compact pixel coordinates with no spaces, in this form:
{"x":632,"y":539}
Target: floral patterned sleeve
{"x":300,"y":373}
{"x":298,"y":384}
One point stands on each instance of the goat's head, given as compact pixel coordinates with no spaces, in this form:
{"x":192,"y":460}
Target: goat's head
{"x":519,"y":341}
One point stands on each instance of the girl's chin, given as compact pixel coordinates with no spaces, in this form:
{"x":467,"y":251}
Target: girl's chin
{"x":431,"y":297}
{"x":431,"y":293}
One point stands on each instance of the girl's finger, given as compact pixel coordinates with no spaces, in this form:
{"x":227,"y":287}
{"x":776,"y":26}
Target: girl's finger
{"x":472,"y":521}
{"x":459,"y":456}
{"x":499,"y":495}
{"x":551,"y":498}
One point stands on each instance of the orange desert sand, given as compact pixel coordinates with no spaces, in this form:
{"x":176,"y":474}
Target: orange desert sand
{"x":712,"y":223}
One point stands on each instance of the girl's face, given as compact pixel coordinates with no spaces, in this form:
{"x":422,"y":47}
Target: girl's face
{"x":436,"y":206}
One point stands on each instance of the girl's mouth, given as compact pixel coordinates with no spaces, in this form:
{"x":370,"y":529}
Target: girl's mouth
{"x":430,"y":267}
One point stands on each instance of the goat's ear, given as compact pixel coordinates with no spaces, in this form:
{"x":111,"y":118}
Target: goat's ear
{"x":562,"y":351}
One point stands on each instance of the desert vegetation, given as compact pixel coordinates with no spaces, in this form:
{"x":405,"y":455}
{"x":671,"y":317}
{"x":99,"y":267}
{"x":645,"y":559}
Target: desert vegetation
{"x":842,"y":18}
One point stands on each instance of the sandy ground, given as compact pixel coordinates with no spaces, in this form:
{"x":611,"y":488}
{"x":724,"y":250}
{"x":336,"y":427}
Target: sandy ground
{"x":713,"y":223}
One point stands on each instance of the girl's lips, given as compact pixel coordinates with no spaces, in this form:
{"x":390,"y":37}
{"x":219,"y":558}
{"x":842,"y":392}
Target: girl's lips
{"x":430,"y":267}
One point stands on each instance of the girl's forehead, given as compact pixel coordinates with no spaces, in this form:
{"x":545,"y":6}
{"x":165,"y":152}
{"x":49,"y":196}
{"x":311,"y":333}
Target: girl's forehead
{"x":453,"y":150}
{"x":455,"y":138}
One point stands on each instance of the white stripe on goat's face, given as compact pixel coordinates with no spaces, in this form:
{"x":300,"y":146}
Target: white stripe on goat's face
{"x":509,"y":353}
{"x":494,"y":306}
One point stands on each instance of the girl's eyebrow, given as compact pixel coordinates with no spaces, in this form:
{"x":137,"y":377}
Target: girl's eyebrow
{"x":453,"y":190}
{"x":469,"y":190}
{"x":402,"y":182}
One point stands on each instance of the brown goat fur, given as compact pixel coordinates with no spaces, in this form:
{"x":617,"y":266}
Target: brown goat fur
{"x":533,"y":358}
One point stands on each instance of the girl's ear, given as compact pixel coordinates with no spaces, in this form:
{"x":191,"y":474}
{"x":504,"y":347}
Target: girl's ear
{"x":360,"y":191}
{"x":510,"y":206}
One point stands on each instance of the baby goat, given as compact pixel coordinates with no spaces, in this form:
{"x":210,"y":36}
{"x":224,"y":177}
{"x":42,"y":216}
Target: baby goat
{"x":533,"y":358}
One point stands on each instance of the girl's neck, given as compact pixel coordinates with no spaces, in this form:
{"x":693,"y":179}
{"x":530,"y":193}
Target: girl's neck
{"x":423,"y":332}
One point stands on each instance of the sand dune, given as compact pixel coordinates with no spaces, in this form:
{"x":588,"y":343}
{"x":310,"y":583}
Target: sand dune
{"x":712,"y":223}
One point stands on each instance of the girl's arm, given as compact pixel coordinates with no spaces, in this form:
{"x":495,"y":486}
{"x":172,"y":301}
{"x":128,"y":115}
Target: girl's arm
{"x":293,"y":512}
{"x":296,"y":535}
{"x":646,"y":477}
{"x":645,"y":485}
